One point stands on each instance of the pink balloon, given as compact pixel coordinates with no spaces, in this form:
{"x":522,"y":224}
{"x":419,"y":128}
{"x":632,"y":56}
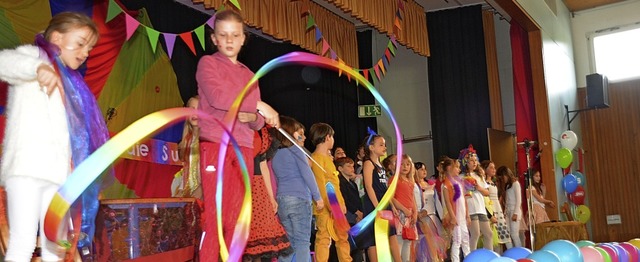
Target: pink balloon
{"x":591,"y":254}
{"x":634,"y":253}
{"x":613,"y":254}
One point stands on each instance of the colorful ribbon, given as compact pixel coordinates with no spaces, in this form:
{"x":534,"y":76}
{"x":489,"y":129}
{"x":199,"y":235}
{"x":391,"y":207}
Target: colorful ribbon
{"x":341,"y":222}
{"x":311,"y":60}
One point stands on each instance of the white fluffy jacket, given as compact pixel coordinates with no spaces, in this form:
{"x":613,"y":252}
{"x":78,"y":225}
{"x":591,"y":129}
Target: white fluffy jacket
{"x":36,"y":142}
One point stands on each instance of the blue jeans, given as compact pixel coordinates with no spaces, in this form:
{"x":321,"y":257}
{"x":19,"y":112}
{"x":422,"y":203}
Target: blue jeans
{"x":295,"y":215}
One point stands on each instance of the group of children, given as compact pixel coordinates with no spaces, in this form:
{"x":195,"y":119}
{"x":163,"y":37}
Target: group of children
{"x":429,"y":214}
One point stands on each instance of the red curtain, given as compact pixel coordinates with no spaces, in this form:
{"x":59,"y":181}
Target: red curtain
{"x":146,"y":179}
{"x":105,"y":53}
{"x":526,"y":127}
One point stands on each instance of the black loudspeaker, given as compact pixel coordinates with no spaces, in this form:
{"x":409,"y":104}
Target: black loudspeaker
{"x":597,"y":91}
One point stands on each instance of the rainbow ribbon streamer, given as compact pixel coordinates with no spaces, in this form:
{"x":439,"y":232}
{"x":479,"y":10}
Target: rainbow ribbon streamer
{"x":341,"y":222}
{"x":311,"y":60}
{"x":91,"y":168}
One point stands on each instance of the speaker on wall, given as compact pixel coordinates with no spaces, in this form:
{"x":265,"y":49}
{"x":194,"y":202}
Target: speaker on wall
{"x":597,"y":91}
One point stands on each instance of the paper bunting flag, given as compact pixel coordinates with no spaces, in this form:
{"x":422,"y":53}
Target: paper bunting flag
{"x":325,"y":47}
{"x":235,"y":3}
{"x":310,"y":22}
{"x":186,"y":37}
{"x":153,"y":36}
{"x":200,"y":34}
{"x":131,"y":24}
{"x":170,"y":40}
{"x":381,"y":66}
{"x":112,"y":11}
{"x":318,"y":35}
{"x":377,"y":70}
{"x":387,"y":54}
{"x":333,"y":55}
{"x":211,"y":21}
{"x":391,"y":48}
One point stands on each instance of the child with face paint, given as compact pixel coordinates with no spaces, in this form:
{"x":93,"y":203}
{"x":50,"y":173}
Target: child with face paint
{"x":52,"y":117}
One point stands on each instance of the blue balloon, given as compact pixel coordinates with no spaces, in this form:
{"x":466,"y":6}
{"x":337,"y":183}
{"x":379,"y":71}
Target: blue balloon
{"x":517,"y":252}
{"x":579,"y":178}
{"x":502,"y":259}
{"x":565,"y":250}
{"x":544,"y":255}
{"x":569,"y":183}
{"x":481,"y":255}
{"x":623,"y":255}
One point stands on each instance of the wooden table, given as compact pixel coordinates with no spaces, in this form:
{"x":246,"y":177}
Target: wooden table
{"x":569,"y":230}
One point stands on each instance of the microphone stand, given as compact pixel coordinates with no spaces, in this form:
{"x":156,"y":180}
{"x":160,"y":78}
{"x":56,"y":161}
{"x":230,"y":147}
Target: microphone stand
{"x":528,"y":178}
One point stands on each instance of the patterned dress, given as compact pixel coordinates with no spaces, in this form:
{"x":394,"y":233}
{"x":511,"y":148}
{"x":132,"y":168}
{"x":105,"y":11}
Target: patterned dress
{"x":267,"y":238}
{"x":502,"y":228}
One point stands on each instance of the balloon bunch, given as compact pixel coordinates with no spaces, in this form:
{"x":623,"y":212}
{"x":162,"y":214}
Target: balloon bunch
{"x":564,"y":251}
{"x":572,"y":183}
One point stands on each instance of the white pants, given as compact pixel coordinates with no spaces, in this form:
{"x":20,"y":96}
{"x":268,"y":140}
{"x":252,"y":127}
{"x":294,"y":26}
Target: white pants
{"x":514,"y":230}
{"x":27,"y":203}
{"x":405,"y":248}
{"x":459,"y":238}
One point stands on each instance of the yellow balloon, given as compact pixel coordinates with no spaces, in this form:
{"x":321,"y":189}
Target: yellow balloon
{"x":583,"y":214}
{"x":635,"y":242}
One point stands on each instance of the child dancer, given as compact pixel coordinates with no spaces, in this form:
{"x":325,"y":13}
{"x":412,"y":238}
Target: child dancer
{"x":351,"y":196}
{"x":220,"y":78}
{"x":296,"y":188}
{"x":322,"y":138}
{"x":189,"y":152}
{"x":475,"y":200}
{"x":501,"y":225}
{"x":53,"y":118}
{"x":375,"y":184}
{"x":431,"y":246}
{"x":513,"y":203}
{"x":405,"y":203}
{"x":538,"y":191}
{"x":456,"y":214}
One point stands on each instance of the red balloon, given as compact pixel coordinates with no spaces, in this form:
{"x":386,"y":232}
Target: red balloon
{"x":525,"y":260}
{"x":577,"y":197}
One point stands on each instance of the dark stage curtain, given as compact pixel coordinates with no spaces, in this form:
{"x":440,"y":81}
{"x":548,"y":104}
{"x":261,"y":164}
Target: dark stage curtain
{"x":308,"y":94}
{"x":458,"y":88}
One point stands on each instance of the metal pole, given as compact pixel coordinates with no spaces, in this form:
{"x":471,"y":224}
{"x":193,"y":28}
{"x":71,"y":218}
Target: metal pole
{"x":532,"y":228}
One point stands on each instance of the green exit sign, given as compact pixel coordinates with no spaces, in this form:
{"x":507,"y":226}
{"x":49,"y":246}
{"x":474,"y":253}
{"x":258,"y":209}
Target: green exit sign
{"x":369,"y":111}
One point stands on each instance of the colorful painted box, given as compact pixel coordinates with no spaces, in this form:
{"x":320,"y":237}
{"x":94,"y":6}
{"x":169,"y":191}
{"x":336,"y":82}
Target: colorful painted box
{"x":148,"y":229}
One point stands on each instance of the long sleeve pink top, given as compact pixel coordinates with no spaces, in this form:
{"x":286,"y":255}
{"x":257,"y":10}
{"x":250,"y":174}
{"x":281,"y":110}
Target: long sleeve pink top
{"x":219,"y":83}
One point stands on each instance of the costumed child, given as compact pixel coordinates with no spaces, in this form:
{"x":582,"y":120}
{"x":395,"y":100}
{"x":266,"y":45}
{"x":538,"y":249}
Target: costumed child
{"x":407,"y":214}
{"x":221,"y":77}
{"x":456,"y":216}
{"x":375,"y":185}
{"x":325,"y":172}
{"x":187,"y":182}
{"x":513,"y":204}
{"x":53,"y":124}
{"x":477,"y":190}
{"x":432,"y":245}
{"x":500,"y":226}
{"x":538,"y":191}
{"x":267,"y":238}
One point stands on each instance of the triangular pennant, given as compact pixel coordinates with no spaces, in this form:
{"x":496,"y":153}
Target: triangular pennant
{"x":387,"y":54}
{"x":131,"y":25}
{"x":393,"y":40}
{"x":377,"y":70}
{"x":186,"y":37}
{"x":200,"y":34}
{"x":385,"y":62}
{"x":236,"y":4}
{"x":310,"y":22}
{"x":211,"y":21}
{"x":391,"y":48}
{"x":170,"y":40}
{"x":153,"y":35}
{"x":381,"y":66}
{"x":397,"y":24}
{"x":333,"y":55}
{"x":373,"y":79}
{"x":400,"y":5}
{"x":318,"y":35}
{"x":325,"y":47}
{"x":112,"y":11}
{"x":366,"y":74}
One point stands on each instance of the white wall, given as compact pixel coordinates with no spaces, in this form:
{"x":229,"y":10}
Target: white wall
{"x":585,"y":22}
{"x":405,"y":89}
